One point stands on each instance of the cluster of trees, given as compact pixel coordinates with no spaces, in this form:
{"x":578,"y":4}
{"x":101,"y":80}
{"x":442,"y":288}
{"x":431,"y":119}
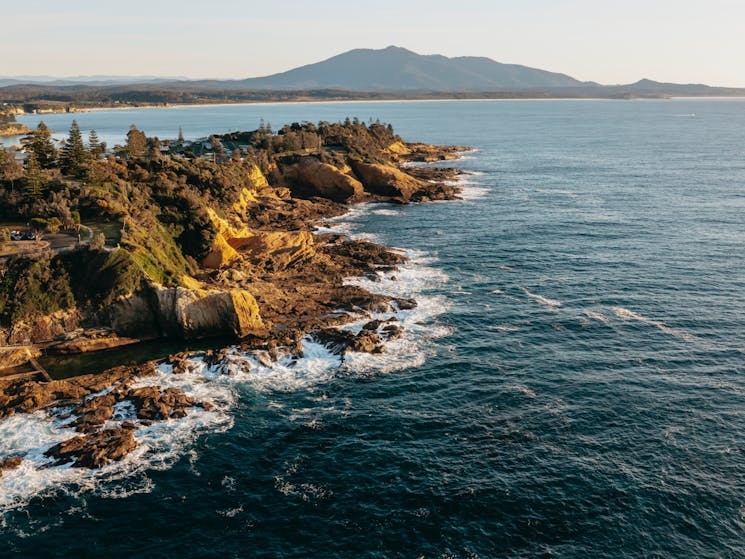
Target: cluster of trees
{"x":71,"y":157}
{"x":161,"y":200}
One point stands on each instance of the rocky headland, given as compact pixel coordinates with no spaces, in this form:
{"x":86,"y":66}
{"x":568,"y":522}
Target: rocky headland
{"x":227,"y":247}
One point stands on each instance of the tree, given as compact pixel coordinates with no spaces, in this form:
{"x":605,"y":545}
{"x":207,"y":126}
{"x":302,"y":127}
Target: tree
{"x":75,"y":216}
{"x":98,"y":242}
{"x":96,"y":146}
{"x":10,"y":169}
{"x":136,"y":143}
{"x":33,"y":178}
{"x":40,"y":142}
{"x":74,"y":154}
{"x":38,"y":225}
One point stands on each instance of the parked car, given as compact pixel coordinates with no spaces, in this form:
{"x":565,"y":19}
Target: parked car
{"x":21,"y":236}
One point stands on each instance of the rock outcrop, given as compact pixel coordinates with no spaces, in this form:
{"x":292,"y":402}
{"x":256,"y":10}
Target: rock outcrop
{"x":103,"y":438}
{"x":314,"y":178}
{"x":424,"y":153}
{"x":386,"y":180}
{"x":187,"y":313}
{"x":95,"y":450}
{"x":44,"y":327}
{"x":195,"y":313}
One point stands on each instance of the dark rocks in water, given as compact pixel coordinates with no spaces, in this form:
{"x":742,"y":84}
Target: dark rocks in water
{"x":335,"y":340}
{"x":434,"y":173}
{"x":152,"y":403}
{"x":95,"y":413}
{"x":406,"y":304}
{"x":10,"y":464}
{"x":376,"y":324}
{"x":366,"y":342}
{"x":344,"y":341}
{"x":212,"y":357}
{"x":392,"y":332}
{"x":95,"y":450}
{"x":28,"y":396}
{"x":97,"y":446}
{"x":179,"y":362}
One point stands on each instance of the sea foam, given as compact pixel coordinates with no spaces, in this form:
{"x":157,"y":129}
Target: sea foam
{"x":626,"y":314}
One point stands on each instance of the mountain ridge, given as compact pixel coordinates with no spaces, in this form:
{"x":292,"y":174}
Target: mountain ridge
{"x":359,"y":74}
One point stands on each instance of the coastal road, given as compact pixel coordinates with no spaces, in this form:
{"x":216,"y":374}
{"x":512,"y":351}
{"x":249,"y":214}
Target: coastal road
{"x":57,"y":242}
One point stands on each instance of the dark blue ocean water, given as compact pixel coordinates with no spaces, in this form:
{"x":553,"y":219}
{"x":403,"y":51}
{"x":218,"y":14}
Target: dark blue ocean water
{"x":588,"y":400}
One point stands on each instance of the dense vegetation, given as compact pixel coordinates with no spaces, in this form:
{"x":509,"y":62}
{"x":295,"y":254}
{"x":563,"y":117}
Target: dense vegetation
{"x":160,"y":193}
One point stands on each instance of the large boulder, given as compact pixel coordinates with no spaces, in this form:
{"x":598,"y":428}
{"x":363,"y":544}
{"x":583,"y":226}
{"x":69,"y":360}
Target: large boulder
{"x":186,"y":313}
{"x":386,"y":180}
{"x":195,"y":313}
{"x":314,"y":178}
{"x":135,"y":316}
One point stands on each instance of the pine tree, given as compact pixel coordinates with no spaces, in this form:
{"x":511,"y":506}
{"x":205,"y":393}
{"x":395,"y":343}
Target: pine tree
{"x":136,"y":143}
{"x":10,"y":169}
{"x":40,"y":143}
{"x":96,"y":147}
{"x":33,"y":178}
{"x":74,"y":153}
{"x":153,"y":148}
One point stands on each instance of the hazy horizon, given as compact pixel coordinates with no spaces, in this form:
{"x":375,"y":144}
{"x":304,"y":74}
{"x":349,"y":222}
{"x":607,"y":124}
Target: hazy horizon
{"x":618,"y":44}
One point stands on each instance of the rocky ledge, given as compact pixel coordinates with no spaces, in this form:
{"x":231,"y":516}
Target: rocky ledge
{"x":95,"y":403}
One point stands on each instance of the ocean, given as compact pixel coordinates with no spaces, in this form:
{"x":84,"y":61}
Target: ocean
{"x":569,"y":385}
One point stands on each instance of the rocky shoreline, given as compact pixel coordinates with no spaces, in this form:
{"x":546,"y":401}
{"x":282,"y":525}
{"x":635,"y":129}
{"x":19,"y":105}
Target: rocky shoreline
{"x":270,"y":281}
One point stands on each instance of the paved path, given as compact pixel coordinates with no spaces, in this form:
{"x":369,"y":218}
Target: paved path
{"x":58,"y":242}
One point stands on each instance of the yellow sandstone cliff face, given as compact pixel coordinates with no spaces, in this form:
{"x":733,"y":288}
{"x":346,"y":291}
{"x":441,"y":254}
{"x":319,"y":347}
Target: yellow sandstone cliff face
{"x":327,"y":181}
{"x":227,"y":238}
{"x":397,"y":149}
{"x":386,"y":180}
{"x":187,"y":313}
{"x":193,"y":313}
{"x":257,"y":178}
{"x":278,"y":250}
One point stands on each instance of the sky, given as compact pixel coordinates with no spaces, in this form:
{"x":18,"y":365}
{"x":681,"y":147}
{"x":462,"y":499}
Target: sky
{"x":611,"y":42}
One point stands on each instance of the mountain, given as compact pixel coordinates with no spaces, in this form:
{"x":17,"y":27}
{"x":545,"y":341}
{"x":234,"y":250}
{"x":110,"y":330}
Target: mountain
{"x":396,"y":69}
{"x":390,"y":73}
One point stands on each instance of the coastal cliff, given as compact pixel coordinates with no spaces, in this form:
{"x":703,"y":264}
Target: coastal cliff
{"x":212,"y":248}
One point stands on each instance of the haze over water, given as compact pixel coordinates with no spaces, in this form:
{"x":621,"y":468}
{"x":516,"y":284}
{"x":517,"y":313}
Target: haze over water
{"x":572,"y":386}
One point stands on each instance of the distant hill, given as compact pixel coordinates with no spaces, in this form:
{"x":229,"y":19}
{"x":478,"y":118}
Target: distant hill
{"x":399,"y":69}
{"x":87,"y":80}
{"x":390,"y":73}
